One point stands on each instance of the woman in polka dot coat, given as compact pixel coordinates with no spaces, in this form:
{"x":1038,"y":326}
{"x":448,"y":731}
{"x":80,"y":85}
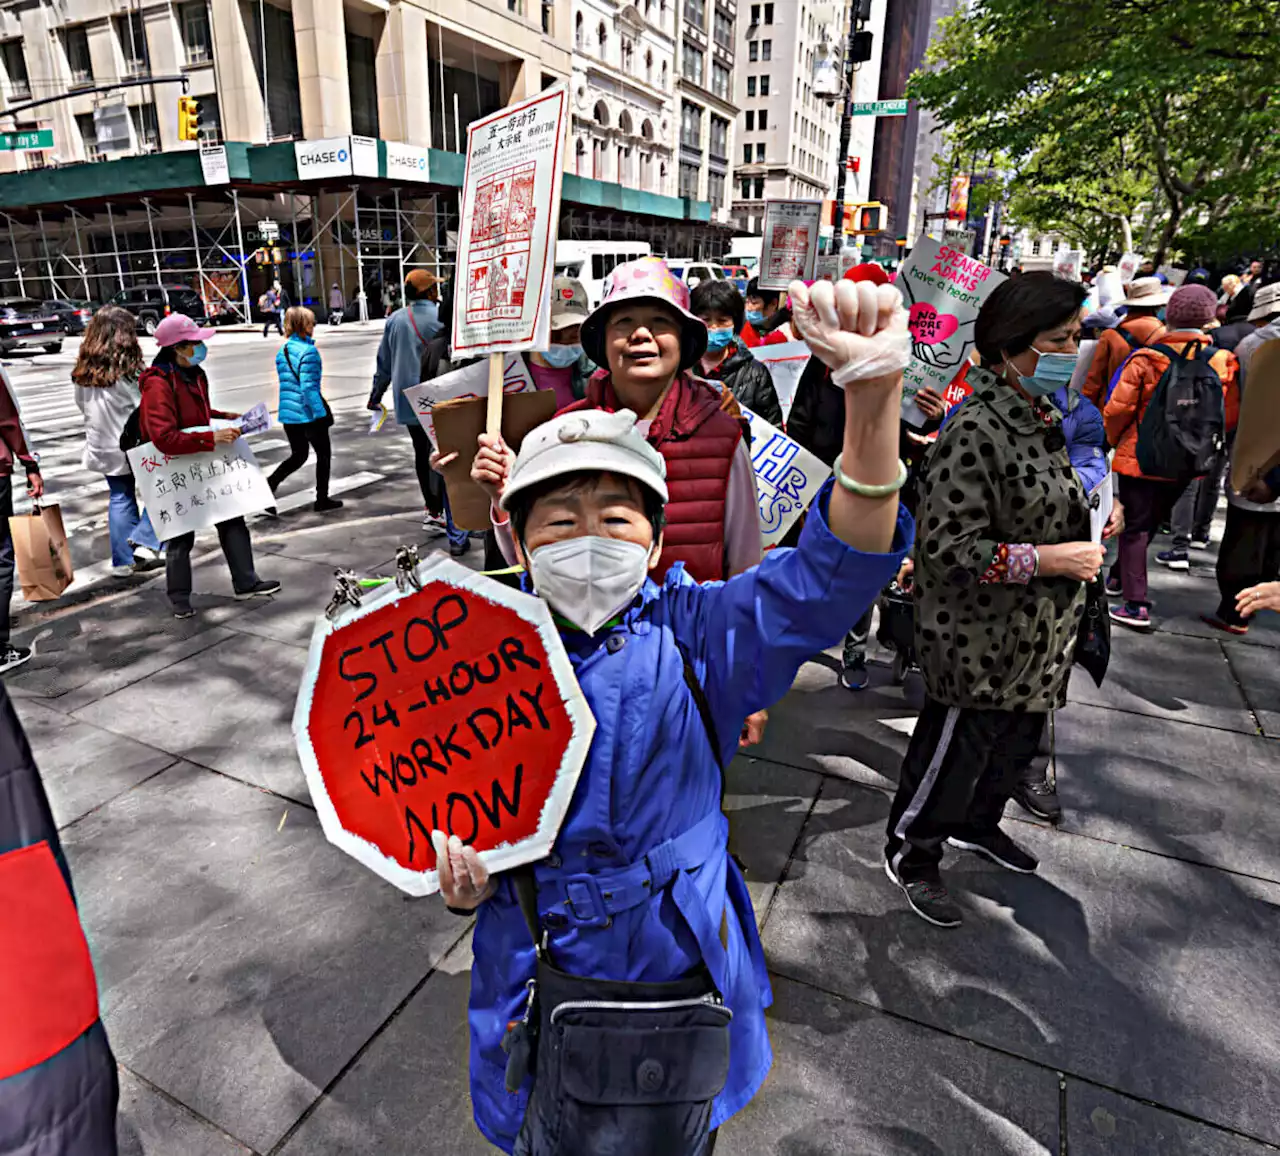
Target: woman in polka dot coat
{"x":1004,"y":554}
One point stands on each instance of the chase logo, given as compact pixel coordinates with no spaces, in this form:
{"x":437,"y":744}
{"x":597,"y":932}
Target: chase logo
{"x":329,"y":157}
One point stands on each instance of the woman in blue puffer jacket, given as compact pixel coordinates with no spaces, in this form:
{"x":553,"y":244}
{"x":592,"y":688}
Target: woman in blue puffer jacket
{"x":303,"y":411}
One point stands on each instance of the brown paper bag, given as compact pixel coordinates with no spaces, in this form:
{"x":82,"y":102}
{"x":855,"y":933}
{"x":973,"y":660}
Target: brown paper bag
{"x":42,"y":553}
{"x":1257,"y":446}
{"x":459,"y":425}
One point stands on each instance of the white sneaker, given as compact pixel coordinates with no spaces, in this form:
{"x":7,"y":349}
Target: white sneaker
{"x":435,"y":523}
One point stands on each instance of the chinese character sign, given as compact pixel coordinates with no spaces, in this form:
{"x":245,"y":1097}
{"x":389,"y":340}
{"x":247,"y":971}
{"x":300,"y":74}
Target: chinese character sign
{"x":943,"y":289}
{"x":790,"y":251}
{"x":510,"y":208}
{"x":450,"y":708}
{"x":469,"y":381}
{"x":195,"y":491}
{"x":788,"y":478}
{"x":1068,"y":264}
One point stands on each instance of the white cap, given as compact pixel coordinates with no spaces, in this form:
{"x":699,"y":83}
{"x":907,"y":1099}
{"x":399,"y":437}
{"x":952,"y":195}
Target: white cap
{"x":586,"y":441}
{"x":1266,"y":302}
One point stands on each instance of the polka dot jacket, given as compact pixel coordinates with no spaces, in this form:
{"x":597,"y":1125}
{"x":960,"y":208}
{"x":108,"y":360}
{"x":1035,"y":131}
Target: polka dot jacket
{"x":989,"y":633}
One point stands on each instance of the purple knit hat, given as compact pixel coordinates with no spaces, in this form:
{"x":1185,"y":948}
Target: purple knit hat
{"x":1191,"y":307}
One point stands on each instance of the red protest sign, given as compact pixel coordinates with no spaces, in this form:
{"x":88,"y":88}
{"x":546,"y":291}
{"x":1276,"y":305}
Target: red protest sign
{"x":449,"y":708}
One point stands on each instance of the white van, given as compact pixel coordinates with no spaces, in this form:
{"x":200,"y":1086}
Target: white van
{"x":592,"y":261}
{"x":692,"y":273}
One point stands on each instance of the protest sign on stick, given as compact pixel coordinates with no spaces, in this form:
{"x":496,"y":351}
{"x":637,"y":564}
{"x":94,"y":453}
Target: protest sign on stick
{"x":1068,"y":264}
{"x":788,"y":477}
{"x":943,"y":289}
{"x":1256,"y":451}
{"x":785,"y":362}
{"x":469,"y":381}
{"x":790,"y":250}
{"x":1128,"y":267}
{"x":194,"y":491}
{"x":452,"y":707}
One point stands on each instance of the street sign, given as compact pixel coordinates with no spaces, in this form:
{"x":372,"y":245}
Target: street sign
{"x":451,"y":707}
{"x":268,"y":229}
{"x":878,"y":108}
{"x":16,"y":142}
{"x":111,"y":127}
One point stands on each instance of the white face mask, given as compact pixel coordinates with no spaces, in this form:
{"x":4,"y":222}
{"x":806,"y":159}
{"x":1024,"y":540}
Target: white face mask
{"x":589,"y":580}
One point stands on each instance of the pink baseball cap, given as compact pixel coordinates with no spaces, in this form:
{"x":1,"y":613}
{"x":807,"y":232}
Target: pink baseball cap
{"x":645,"y":279}
{"x":178,"y":329}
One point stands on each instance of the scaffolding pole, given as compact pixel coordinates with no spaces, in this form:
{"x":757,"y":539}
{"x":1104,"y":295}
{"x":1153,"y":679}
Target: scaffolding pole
{"x":295,"y":262}
{"x":115,"y":246}
{"x":17,"y":264}
{"x":318,"y":253}
{"x":84,"y":268}
{"x":363,"y":298}
{"x":244,"y":272}
{"x":195,"y":241}
{"x":44,"y":244}
{"x":151,"y":229}
{"x":399,"y":237}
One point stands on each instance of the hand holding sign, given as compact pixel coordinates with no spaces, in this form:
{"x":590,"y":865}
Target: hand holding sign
{"x":464,"y":880}
{"x":492,"y":466}
{"x":858,"y":330}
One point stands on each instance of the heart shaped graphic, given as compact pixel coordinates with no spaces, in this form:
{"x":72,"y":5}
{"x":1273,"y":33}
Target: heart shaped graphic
{"x":928,"y":326}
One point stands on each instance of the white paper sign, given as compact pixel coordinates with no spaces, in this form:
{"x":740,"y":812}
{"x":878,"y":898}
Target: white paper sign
{"x":1128,"y":267}
{"x":1101,"y":503}
{"x":194,"y":491}
{"x":469,"y":381}
{"x":788,"y":477}
{"x":254,"y":420}
{"x":827,"y":267}
{"x":785,"y":362}
{"x":364,"y":156}
{"x":943,"y":289}
{"x":213,"y":163}
{"x":790,"y":250}
{"x":1083,"y":361}
{"x":1068,"y":264}
{"x":510,"y":211}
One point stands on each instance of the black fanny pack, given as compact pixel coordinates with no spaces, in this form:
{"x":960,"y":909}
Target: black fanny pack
{"x":619,"y":1068}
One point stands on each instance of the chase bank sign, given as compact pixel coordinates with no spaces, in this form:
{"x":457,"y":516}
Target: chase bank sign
{"x":342,"y":156}
{"x":407,"y":163}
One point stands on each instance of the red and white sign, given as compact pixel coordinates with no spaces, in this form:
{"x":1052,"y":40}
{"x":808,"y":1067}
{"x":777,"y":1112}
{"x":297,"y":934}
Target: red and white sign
{"x":510,"y":212}
{"x":790,"y":250}
{"x":450,"y":708}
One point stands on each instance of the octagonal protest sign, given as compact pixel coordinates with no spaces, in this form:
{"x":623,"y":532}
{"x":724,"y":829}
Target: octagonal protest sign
{"x":451,"y":708}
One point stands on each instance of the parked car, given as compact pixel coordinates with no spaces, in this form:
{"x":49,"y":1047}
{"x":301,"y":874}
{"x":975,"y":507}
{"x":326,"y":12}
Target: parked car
{"x":693,"y":272}
{"x":738,"y":275}
{"x":151,"y":304}
{"x":72,"y":312}
{"x":25,"y":322}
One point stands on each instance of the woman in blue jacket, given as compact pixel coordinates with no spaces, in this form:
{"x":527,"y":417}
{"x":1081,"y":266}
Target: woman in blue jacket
{"x":634,"y":1027}
{"x":303,"y":411}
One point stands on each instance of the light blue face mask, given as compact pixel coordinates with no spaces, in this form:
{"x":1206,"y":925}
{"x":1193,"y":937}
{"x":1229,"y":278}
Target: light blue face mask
{"x":562,"y":356}
{"x":755,"y":316}
{"x":718,"y":339}
{"x":199,"y":351}
{"x":1053,"y":371}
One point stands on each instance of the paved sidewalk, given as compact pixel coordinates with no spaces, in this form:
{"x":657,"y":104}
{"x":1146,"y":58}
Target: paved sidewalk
{"x":265,"y":994}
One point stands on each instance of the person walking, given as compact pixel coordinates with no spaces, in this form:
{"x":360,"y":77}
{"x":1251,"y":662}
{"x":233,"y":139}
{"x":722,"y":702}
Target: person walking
{"x":1141,"y":325}
{"x":1000,"y":575}
{"x":13,"y":448}
{"x":336,"y":304}
{"x":106,"y":375}
{"x":274,"y":303}
{"x":175,"y":397}
{"x":303,"y":411}
{"x":1148,"y":500}
{"x":404,"y":338}
{"x":727,"y":360}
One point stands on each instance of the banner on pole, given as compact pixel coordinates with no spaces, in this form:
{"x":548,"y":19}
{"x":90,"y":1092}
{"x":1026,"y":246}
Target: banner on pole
{"x":510,"y":211}
{"x":195,"y":491}
{"x":790,"y":250}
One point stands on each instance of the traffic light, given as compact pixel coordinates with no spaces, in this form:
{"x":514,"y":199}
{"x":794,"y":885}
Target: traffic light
{"x":871,"y":217}
{"x":188,"y":118}
{"x":901,"y":242}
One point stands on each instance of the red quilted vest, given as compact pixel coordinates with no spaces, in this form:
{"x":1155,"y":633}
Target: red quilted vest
{"x":698,"y":440}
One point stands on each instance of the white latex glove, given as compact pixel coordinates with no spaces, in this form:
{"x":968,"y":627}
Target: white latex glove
{"x":858,"y":330}
{"x":464,"y":880}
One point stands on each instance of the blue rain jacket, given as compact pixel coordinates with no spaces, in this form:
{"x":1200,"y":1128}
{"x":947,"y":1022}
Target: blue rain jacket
{"x":298,"y":368}
{"x":647,"y":805}
{"x":400,"y":355}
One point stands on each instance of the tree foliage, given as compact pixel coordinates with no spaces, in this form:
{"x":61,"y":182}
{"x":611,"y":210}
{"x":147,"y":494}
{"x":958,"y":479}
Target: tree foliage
{"x":1142,"y":117}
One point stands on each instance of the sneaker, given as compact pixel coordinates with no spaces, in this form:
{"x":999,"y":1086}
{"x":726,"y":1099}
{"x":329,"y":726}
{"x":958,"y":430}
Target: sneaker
{"x":263,"y":589}
{"x":1040,"y":798}
{"x":458,"y":549}
{"x":14,"y":657}
{"x":1115,"y":588}
{"x":325,"y":505}
{"x":1175,"y":559}
{"x":271,"y":512}
{"x":1226,"y":627}
{"x":928,"y":898}
{"x":853,"y":673}
{"x":1165,"y":530}
{"x":181,"y":612}
{"x":145,"y":558}
{"x":1131,"y":615}
{"x":1200,"y":543}
{"x":999,"y":848}
{"x":435,"y":522}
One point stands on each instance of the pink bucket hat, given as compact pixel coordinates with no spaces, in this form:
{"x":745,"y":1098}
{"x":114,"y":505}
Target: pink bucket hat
{"x":178,"y":329}
{"x":647,"y":279}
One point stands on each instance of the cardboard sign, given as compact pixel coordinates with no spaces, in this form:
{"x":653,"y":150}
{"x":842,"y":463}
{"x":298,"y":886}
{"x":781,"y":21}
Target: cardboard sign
{"x":194,"y":491}
{"x":785,"y":362}
{"x":459,"y":425}
{"x":943,"y":289}
{"x":510,"y":212}
{"x":788,"y":477}
{"x":1128,"y":267}
{"x":1068,"y":264}
{"x":1256,"y":451}
{"x":790,"y":250}
{"x":469,"y":381}
{"x":450,"y":708}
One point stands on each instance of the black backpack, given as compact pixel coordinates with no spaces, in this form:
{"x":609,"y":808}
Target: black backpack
{"x":1185,"y":421}
{"x":131,"y":435}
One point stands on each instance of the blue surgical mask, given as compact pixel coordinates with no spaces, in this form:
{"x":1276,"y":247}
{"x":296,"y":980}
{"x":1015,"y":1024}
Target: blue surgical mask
{"x":561,"y":356}
{"x":755,"y":316}
{"x":1053,"y":371}
{"x":1160,"y":314}
{"x":199,"y":351}
{"x":718,"y":339}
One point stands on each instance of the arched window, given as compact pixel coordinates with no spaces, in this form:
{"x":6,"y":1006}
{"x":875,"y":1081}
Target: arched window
{"x":577,"y":30}
{"x":646,"y":129}
{"x":601,"y":114}
{"x":581,"y":164}
{"x":664,"y":74}
{"x":625,"y":124}
{"x":602,"y":38}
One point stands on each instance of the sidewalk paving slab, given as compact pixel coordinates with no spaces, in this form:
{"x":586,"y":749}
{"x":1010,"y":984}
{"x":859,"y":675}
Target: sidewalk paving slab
{"x":1102,"y":1123}
{"x":1166,"y":787}
{"x":229,"y":708}
{"x":1259,"y":673}
{"x":241,"y":963}
{"x":150,"y":1124}
{"x":851,"y":1081}
{"x":83,"y":766}
{"x":1136,"y":971}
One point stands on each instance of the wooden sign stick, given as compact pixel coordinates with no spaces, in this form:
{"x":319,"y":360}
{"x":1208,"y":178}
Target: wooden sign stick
{"x":493,"y":424}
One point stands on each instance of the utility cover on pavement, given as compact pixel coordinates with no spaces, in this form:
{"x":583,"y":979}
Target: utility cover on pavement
{"x":449,"y":708}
